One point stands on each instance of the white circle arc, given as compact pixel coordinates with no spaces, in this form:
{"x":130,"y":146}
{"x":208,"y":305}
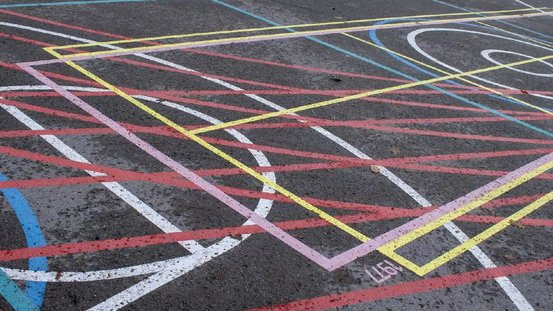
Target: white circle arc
{"x":487,"y":55}
{"x":263,"y":207}
{"x":412,"y":39}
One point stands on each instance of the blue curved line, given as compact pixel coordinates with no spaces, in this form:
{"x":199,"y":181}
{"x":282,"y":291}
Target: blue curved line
{"x":33,"y":235}
{"x":374,"y":38}
{"x":384,"y":67}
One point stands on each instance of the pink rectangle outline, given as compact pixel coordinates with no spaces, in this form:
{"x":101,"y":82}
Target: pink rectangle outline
{"x":328,"y":264}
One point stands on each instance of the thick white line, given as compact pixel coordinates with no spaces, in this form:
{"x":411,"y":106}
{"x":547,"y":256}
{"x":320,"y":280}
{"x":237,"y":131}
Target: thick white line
{"x":263,"y":208}
{"x":532,"y":7}
{"x":116,"y":188}
{"x":505,"y":283}
{"x":412,"y":39}
{"x":159,"y":279}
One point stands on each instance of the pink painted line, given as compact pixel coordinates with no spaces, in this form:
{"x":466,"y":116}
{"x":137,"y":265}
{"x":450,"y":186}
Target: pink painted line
{"x":369,"y":246}
{"x":329,"y":264}
{"x":184,"y":172}
{"x":287,"y":35}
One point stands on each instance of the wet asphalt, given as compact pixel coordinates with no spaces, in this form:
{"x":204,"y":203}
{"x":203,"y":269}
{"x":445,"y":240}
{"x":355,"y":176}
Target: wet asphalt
{"x":260,"y":270}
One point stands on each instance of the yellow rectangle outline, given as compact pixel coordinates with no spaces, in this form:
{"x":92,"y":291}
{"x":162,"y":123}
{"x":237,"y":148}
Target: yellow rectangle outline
{"x":448,"y":73}
{"x":145,"y":49}
{"x":474,"y":241}
{"x":361,"y":95}
{"x":179,"y":36}
{"x":481,"y":237}
{"x":385,"y":249}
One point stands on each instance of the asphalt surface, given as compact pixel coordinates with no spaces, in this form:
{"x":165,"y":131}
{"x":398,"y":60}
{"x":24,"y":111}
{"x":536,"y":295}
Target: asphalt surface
{"x":69,"y":180}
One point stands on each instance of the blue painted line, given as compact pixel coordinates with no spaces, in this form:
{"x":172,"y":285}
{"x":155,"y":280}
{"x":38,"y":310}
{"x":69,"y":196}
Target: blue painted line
{"x":374,"y":38}
{"x":13,"y":294}
{"x":34,"y":237}
{"x":23,"y":5}
{"x":502,"y":22}
{"x":389,"y":69}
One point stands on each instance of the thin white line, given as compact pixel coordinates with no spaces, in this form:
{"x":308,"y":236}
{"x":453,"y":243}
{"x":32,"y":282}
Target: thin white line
{"x":116,"y":188}
{"x":532,"y":7}
{"x":476,"y":251}
{"x":262,"y":209}
{"x":508,"y":287}
{"x":411,"y":38}
{"x":161,"y":278}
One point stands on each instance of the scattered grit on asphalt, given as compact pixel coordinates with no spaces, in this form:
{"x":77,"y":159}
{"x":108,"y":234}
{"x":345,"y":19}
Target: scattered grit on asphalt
{"x":287,"y":155}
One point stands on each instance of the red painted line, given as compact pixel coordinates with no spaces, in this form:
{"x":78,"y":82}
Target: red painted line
{"x":357,"y":124}
{"x":338,"y":92}
{"x":392,"y":162}
{"x":452,"y":135}
{"x":164,"y":178}
{"x":326,"y":123}
{"x":235,"y":108}
{"x":202,"y":74}
{"x":168,"y":69}
{"x":446,"y":107}
{"x":412,"y":287}
{"x":25,"y":40}
{"x":167,"y":95}
{"x":156,"y":177}
{"x":45,"y":21}
{"x":165,"y":238}
{"x":535,"y":222}
{"x":512,"y":201}
{"x":49,"y":111}
{"x":440,"y":134}
{"x":318,"y":70}
{"x":167,"y":132}
{"x":52,"y":94}
{"x":361,"y":123}
{"x":461,"y":171}
{"x":220,"y":55}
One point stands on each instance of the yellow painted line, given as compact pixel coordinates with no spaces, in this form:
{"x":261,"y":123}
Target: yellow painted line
{"x":448,"y":73}
{"x":361,"y":95}
{"x":460,"y":249}
{"x":344,"y":227}
{"x":308,"y":206}
{"x":516,"y":34}
{"x":417,"y":233}
{"x":285,"y":35}
{"x":388,"y":249}
{"x":179,"y":36}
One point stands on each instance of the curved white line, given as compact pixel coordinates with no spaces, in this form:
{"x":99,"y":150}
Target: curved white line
{"x":486,"y":55}
{"x":117,"y":301}
{"x":508,"y":287}
{"x":263,"y":206}
{"x":412,"y":36}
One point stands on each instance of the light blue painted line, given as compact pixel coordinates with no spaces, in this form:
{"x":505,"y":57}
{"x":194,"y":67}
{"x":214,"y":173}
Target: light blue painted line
{"x":23,"y":5}
{"x":13,"y":294}
{"x":399,"y":73}
{"x":374,"y":38}
{"x":502,"y":22}
{"x":34,"y":237}
{"x":331,"y":46}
